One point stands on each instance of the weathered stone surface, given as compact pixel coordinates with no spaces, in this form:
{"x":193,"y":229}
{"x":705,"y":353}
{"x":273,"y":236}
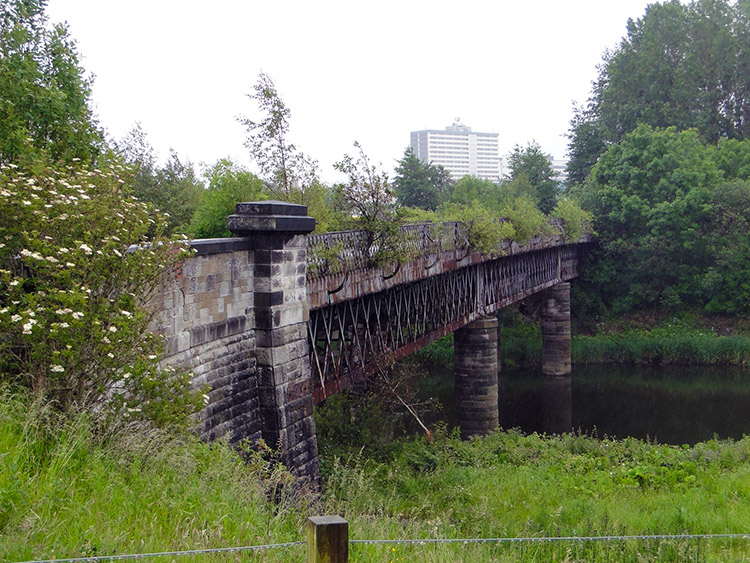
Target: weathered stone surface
{"x":475,"y":358}
{"x":555,"y":323}
{"x":269,"y":216}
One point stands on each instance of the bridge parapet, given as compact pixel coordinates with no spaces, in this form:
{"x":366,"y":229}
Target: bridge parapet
{"x":339,"y":263}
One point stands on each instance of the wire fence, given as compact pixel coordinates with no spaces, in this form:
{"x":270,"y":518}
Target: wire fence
{"x":668,"y":547}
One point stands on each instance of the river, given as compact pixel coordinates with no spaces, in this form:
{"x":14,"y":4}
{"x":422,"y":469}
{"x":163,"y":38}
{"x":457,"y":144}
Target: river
{"x":673,"y":405}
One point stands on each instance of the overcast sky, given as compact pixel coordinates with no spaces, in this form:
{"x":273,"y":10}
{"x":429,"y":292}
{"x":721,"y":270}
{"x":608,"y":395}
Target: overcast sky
{"x":370,"y":72}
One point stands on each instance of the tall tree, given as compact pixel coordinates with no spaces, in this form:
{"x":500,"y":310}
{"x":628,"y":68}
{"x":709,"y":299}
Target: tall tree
{"x":420,"y":184}
{"x":651,"y":197}
{"x":682,"y":66}
{"x":533,"y":164}
{"x":282,"y":166}
{"x":44,"y":95}
{"x":173,"y":188}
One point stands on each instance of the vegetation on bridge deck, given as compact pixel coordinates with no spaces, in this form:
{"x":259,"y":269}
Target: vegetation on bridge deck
{"x":337,"y":252}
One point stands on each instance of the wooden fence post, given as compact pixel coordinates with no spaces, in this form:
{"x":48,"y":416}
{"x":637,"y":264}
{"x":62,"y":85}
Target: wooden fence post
{"x":327,"y":539}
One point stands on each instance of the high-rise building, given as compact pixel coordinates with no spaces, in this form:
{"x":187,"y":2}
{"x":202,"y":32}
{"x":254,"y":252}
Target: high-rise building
{"x":559,"y":169}
{"x":460,"y":150}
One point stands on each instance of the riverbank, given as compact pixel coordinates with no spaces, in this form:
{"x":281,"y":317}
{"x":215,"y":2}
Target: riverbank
{"x":66,"y":492}
{"x":656,"y":338}
{"x":511,"y":485}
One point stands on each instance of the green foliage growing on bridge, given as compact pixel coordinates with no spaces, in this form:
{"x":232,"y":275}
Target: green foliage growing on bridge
{"x":368,"y":204}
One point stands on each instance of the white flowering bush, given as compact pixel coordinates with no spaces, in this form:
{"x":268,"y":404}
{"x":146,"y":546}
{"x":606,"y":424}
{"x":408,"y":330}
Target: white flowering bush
{"x":78,"y":255}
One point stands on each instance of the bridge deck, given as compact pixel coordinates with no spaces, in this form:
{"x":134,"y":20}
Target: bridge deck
{"x":432,"y":249}
{"x":362,"y":319}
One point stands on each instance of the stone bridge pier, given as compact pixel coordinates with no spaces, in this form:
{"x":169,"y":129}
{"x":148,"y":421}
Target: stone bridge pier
{"x":277,"y":236}
{"x":477,"y":364}
{"x":556,"y":330}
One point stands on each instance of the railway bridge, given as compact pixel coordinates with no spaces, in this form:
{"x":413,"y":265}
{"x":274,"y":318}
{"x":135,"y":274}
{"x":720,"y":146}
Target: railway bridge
{"x":276,"y":320}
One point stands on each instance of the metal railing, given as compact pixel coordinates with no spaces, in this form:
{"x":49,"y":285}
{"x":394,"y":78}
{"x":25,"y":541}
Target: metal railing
{"x":341,"y":251}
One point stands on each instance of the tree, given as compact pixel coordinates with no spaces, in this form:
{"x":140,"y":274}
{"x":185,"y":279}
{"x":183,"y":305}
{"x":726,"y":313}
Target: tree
{"x":586,"y":144}
{"x":419,"y":184}
{"x":682,"y":66}
{"x":470,"y":189}
{"x":367,"y":197}
{"x":532,"y":163}
{"x":726,"y":283}
{"x":288,"y":174}
{"x":173,"y":188}
{"x":282,"y":166}
{"x":44,"y":96}
{"x":228,"y":184}
{"x":650,"y":196}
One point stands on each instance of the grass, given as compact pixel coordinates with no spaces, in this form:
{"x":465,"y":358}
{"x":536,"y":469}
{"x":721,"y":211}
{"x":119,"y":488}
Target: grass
{"x":657,"y":346}
{"x":510,"y":485}
{"x":66,"y":491}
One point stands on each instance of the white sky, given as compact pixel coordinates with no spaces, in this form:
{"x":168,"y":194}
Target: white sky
{"x":348,"y":70}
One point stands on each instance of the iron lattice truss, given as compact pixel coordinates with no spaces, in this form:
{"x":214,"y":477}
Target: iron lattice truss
{"x":354,"y":338}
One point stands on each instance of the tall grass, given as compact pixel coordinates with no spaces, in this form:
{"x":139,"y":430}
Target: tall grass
{"x":662,"y":347}
{"x":66,"y":492}
{"x":510,"y":485}
{"x":670,"y":343}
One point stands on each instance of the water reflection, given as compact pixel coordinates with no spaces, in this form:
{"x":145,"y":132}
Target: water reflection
{"x":671,"y":405}
{"x":557,"y":404}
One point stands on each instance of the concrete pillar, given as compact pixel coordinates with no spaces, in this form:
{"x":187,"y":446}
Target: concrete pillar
{"x":556,"y":330}
{"x":277,"y":236}
{"x":475,"y":358}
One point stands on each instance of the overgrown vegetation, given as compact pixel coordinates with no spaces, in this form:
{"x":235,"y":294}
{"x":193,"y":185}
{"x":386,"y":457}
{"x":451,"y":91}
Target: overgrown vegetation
{"x":671,"y":224}
{"x":667,"y":343}
{"x":70,"y":492}
{"x":66,"y":490}
{"x":79,"y":256}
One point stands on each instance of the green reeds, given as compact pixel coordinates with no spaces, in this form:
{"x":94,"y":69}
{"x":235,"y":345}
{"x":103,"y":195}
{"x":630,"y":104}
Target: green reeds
{"x":658,"y":347}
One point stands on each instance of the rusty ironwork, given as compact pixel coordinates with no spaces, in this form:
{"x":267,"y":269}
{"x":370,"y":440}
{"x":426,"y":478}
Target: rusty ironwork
{"x":346,"y":251}
{"x":353,"y":334}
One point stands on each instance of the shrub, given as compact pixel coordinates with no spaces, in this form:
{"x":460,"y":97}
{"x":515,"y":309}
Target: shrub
{"x":576,"y":221}
{"x":526,"y":219}
{"x":485,"y":232}
{"x":75,"y":264}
